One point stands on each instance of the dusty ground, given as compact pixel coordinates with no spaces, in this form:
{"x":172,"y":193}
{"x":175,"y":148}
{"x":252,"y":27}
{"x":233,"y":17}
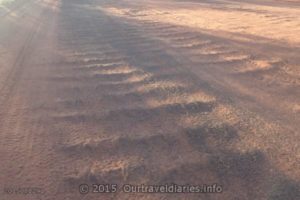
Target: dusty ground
{"x":150,"y":91}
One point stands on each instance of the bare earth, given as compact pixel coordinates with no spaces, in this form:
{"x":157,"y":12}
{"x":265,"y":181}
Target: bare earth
{"x":150,"y":92}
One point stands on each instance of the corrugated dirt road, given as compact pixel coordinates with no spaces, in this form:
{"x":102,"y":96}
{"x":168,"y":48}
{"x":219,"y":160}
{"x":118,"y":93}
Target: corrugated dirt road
{"x":149,"y":92}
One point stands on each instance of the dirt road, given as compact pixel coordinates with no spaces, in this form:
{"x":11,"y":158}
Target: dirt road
{"x":149,"y":92}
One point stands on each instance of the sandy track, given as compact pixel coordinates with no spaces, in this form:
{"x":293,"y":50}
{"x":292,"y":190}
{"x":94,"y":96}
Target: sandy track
{"x":125,"y":92}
